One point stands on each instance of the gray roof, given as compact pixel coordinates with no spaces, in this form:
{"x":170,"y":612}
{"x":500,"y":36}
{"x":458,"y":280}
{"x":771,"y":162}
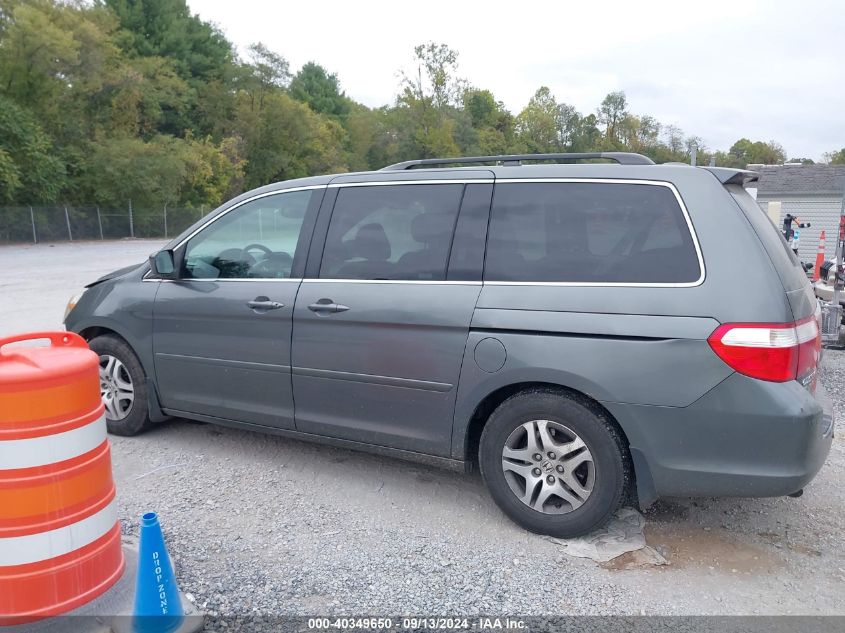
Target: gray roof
{"x":799,"y":179}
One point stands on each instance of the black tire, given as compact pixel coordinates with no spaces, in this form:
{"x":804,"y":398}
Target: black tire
{"x":137,"y":420}
{"x":612,"y":470}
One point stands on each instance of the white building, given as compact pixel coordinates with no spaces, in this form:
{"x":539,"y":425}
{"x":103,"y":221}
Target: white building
{"x":811,"y":192}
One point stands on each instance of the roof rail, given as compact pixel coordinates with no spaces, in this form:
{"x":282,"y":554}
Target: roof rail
{"x":510,"y":160}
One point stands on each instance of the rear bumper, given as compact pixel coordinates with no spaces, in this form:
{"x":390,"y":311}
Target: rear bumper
{"x":744,"y":438}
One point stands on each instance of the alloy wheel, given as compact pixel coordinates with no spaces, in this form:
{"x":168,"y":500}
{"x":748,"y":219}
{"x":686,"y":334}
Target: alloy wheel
{"x":116,"y":388}
{"x":548,"y":467}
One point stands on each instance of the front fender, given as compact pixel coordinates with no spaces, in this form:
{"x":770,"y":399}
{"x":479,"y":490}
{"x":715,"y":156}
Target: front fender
{"x":123,"y":306}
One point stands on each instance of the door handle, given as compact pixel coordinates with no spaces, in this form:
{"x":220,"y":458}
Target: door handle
{"x":327,"y":306}
{"x":263,"y":304}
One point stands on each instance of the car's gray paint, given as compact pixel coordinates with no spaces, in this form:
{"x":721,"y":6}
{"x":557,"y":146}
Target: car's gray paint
{"x":114,"y":274}
{"x":414,"y":333}
{"x":745,"y":438}
{"x":123,"y":305}
{"x":597,"y":324}
{"x":216,"y":356}
{"x":785,"y":262}
{"x":101,"y":309}
{"x":694,"y":426}
{"x":489,"y":354}
{"x":662,"y":372}
{"x":395,"y":354}
{"x":422,"y":458}
{"x":249,"y":364}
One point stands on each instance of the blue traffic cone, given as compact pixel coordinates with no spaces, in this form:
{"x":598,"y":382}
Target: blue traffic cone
{"x":158,"y":607}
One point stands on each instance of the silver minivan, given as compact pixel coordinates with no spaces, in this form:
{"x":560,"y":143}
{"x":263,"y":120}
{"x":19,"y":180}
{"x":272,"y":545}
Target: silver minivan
{"x":585,"y":333}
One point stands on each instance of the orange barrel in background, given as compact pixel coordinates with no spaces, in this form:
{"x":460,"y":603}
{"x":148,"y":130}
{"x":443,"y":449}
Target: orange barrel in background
{"x":59,"y":535}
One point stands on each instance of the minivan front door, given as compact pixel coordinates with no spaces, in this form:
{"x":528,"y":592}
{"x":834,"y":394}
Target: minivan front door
{"x":380,"y":329}
{"x":221,"y":333}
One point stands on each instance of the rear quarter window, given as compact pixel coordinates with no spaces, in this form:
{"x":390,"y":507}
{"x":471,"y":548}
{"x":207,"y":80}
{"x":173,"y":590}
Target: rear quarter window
{"x":785,"y":261}
{"x":590,"y":233}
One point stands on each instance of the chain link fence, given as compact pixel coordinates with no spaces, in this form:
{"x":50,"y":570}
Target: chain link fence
{"x":21,"y":224}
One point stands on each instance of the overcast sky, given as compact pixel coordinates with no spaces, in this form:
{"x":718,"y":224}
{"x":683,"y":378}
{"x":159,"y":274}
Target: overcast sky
{"x":761,"y":69}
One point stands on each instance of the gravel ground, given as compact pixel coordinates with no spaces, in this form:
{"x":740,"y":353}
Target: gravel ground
{"x":263,"y":525}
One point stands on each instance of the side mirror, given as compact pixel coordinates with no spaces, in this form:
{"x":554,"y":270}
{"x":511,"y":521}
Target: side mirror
{"x":162,"y":265}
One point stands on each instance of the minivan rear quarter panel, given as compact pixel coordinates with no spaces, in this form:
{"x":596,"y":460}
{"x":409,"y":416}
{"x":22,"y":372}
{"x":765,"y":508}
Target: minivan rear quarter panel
{"x":634,"y":349}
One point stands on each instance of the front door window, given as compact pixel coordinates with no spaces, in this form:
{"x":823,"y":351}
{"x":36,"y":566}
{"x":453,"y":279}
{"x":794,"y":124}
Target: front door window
{"x":258,"y":240}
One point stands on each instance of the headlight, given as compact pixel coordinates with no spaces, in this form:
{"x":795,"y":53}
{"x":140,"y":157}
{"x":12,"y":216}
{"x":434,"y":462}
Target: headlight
{"x":72,"y":304}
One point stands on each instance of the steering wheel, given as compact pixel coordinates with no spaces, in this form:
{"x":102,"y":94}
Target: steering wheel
{"x":267,"y":252}
{"x":276,"y":266}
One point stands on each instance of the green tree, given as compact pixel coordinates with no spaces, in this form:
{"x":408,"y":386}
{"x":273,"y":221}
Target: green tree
{"x":611,"y":113}
{"x":835,"y":158}
{"x":640,"y":133}
{"x":166,"y":28}
{"x":587,"y":136}
{"x":425,"y":108}
{"x":745,"y":152}
{"x":285,"y":139}
{"x":487,"y":125}
{"x":320,"y":90}
{"x":162,"y":171}
{"x":29,"y":170}
{"x":41,"y":55}
{"x":570,"y":127}
{"x":360,"y":129}
{"x":537,"y":124}
{"x":264,"y":74}
{"x":270,"y":70}
{"x":149,"y":173}
{"x":214,"y":172}
{"x":545,"y":125}
{"x":113,"y":100}
{"x":197,"y":52}
{"x":439,"y":83}
{"x":140,"y":98}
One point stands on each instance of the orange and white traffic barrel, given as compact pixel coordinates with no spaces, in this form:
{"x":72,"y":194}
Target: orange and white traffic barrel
{"x":59,"y":534}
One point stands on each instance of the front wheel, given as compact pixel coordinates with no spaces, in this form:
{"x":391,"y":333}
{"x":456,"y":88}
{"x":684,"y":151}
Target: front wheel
{"x":554,"y":462}
{"x":123,"y":386}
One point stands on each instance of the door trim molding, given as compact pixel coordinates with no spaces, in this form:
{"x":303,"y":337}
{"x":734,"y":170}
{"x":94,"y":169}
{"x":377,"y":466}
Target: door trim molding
{"x":384,"y":381}
{"x":225,"y":362}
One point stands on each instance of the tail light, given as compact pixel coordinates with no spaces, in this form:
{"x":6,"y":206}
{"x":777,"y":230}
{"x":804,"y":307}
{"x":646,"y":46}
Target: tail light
{"x":777,"y":352}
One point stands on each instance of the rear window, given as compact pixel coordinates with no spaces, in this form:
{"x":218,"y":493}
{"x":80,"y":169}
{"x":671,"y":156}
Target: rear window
{"x":785,"y":261}
{"x":589,"y":233}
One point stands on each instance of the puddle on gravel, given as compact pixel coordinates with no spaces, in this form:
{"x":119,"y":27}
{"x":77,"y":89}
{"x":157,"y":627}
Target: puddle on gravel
{"x":638,"y":559}
{"x":687,"y":547}
{"x":778,"y":541}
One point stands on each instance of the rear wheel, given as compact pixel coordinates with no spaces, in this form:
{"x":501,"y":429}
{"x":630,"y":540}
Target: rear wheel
{"x":554,"y":462}
{"x":123,"y":386}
